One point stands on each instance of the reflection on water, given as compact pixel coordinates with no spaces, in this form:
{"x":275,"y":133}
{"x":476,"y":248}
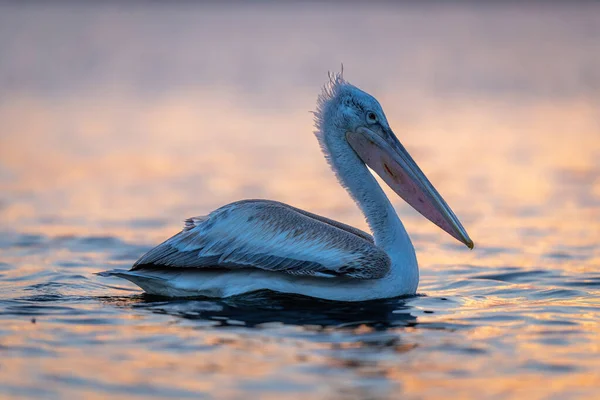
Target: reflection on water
{"x":120,"y":121}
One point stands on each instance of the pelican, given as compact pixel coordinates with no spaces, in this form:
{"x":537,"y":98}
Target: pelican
{"x":252,"y":245}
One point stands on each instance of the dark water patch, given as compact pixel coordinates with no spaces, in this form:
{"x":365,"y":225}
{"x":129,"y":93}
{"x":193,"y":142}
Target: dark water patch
{"x":591,"y":282}
{"x":58,"y":287}
{"x":147,"y":223}
{"x":6,"y":266}
{"x":61,"y":298}
{"x":30,"y":240}
{"x":42,"y":298}
{"x":50,"y":219}
{"x":117,"y":249}
{"x":142,"y":389}
{"x":509,"y":291}
{"x":553,"y":341}
{"x":90,"y":243}
{"x":85,"y":321}
{"x":181,"y":347}
{"x":498,"y":317}
{"x":442,"y":326}
{"x":491,"y":251}
{"x":76,"y":277}
{"x":556,"y":322}
{"x":27,"y":392}
{"x":184,"y":307}
{"x":558,"y":332}
{"x":437,"y":304}
{"x":455,"y":348}
{"x":555,"y":294}
{"x":96,"y":242}
{"x":123,"y":302}
{"x":276,"y":387}
{"x":572,"y":310}
{"x":559,"y":255}
{"x":372,"y":340}
{"x":100,"y":241}
{"x":28,"y":351}
{"x":58,"y":278}
{"x":562,"y":256}
{"x":131,"y":254}
{"x":26,"y":309}
{"x":516,"y":277}
{"x":582,"y":248}
{"x":550,"y":367}
{"x":470,"y":285}
{"x":71,"y":264}
{"x":268,"y":307}
{"x":32,"y":277}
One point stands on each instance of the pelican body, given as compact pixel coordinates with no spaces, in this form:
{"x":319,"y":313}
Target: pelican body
{"x":255,"y":245}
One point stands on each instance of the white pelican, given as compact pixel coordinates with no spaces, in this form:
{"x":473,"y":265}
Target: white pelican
{"x":252,"y":245}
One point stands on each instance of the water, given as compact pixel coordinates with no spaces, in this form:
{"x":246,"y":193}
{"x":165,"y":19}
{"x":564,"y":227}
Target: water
{"x":119,"y":121}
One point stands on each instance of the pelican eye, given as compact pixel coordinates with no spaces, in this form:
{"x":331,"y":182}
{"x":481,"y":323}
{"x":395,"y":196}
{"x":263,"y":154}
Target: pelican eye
{"x":371,"y":117}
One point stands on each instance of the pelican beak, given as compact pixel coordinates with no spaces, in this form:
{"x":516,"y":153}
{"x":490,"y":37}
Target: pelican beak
{"x":389,"y":159}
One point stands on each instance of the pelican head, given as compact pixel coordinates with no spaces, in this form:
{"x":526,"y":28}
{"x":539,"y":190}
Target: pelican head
{"x":356,"y":118}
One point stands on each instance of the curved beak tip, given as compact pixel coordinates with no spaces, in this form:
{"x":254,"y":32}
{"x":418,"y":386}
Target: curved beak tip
{"x":470,"y":244}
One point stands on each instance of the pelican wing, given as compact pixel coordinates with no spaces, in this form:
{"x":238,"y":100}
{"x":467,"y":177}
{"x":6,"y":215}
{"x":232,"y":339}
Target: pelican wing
{"x":270,"y":236}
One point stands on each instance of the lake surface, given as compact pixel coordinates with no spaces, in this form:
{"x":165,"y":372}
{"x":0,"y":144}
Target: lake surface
{"x":118,"y":121}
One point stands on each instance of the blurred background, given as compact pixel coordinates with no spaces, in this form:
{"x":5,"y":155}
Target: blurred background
{"x":120,"y":119}
{"x":146,"y":111}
